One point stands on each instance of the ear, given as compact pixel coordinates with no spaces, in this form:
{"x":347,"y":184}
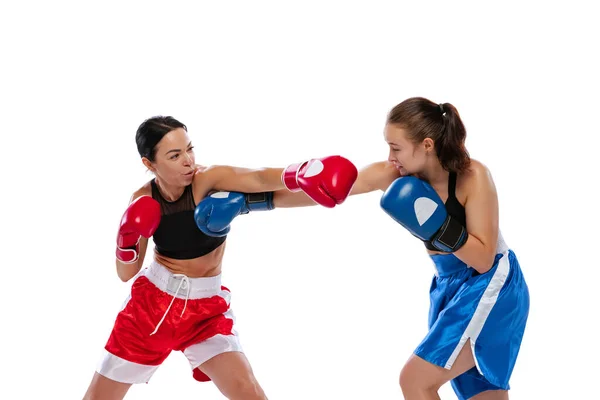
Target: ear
{"x":428,"y":145}
{"x":148,"y":164}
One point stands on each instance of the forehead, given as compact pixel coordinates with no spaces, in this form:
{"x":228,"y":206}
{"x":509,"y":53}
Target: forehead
{"x":177,"y":138}
{"x":394,"y":134}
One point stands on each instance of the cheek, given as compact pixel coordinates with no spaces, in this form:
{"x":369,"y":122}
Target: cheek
{"x":422,"y":157}
{"x":404,"y":157}
{"x":170,"y":168}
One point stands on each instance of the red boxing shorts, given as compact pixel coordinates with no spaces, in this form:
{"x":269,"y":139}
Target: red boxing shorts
{"x":166,"y":312}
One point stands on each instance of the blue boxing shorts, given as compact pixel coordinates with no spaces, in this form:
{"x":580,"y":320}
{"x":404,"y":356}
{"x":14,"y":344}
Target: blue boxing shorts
{"x":490,"y":309}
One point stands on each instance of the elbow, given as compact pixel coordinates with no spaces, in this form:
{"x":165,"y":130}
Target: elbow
{"x":486,"y":262}
{"x":477,"y":254}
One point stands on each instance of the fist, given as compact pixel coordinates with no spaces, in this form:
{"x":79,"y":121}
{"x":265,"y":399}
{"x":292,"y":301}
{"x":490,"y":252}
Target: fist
{"x":327,"y":180}
{"x":214,"y":214}
{"x":414,"y":204}
{"x":141,"y":218}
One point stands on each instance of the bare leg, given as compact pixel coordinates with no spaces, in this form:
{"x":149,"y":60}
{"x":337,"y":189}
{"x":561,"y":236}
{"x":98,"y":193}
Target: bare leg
{"x":421,"y":380}
{"x":102,"y":388}
{"x":232,"y":374}
{"x":492,"y":395}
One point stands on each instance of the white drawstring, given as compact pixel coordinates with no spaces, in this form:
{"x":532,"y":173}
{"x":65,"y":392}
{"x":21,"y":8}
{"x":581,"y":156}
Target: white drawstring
{"x":187,"y":281}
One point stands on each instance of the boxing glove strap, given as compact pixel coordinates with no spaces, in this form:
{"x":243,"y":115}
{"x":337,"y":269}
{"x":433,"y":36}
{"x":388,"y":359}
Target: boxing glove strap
{"x":451,"y":236}
{"x":289,"y":176}
{"x":128,"y":255}
{"x":259,"y":201}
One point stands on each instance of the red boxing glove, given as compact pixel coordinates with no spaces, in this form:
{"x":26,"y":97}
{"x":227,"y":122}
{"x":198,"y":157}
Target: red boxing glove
{"x":327,"y":181}
{"x":140,"y":219}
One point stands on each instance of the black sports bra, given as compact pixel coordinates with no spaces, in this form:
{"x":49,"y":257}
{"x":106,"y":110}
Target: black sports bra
{"x":177,"y":235}
{"x":453,"y":206}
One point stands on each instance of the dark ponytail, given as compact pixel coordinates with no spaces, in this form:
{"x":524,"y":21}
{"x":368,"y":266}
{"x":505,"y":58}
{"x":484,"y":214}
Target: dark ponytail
{"x":451,"y":150}
{"x":423,"y":119}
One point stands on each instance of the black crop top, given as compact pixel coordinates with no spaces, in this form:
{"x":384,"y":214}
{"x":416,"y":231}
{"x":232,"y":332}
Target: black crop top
{"x":453,"y":206}
{"x":177,"y":235}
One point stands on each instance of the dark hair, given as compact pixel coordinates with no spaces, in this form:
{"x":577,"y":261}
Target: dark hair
{"x":423,"y":119}
{"x":151,"y":131}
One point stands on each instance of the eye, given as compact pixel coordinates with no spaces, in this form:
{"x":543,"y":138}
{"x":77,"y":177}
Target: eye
{"x":174,"y":157}
{"x":191,"y":148}
{"x":393,"y":149}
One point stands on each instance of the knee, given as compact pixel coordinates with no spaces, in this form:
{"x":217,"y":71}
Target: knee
{"x":406,"y":379}
{"x":412,"y":381}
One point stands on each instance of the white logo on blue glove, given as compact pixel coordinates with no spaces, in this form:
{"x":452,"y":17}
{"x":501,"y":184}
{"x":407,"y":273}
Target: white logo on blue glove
{"x":424,"y":209}
{"x":220,"y":195}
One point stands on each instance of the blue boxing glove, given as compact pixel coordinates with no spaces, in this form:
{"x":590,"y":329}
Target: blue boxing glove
{"x":214,"y":213}
{"x":415,"y":205}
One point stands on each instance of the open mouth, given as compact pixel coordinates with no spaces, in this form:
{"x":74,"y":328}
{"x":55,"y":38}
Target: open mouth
{"x":400,"y":169}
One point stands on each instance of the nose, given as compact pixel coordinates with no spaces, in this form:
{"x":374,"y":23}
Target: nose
{"x":187,"y":160}
{"x":391,"y":157}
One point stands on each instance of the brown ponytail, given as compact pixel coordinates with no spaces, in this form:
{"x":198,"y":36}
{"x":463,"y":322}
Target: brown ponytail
{"x":423,"y":119}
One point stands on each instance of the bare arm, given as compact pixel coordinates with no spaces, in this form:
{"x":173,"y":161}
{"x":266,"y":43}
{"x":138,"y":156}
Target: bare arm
{"x":375,"y":176}
{"x":482,"y":215}
{"x":286,"y":199}
{"x":235,"y":179}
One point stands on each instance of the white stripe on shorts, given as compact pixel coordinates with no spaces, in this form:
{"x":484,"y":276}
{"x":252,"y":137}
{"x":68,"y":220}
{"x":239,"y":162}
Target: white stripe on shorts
{"x":486,"y":303}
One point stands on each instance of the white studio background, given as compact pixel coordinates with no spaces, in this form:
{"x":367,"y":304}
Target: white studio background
{"x":329,"y":303}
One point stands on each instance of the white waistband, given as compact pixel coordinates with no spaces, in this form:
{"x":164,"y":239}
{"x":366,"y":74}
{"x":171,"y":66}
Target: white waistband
{"x":190,"y":288}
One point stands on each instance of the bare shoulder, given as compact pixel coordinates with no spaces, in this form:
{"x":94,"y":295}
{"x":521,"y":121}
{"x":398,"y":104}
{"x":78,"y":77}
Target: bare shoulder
{"x":478,"y":170}
{"x":476,"y":177}
{"x":387,"y":174}
{"x":375,"y":176}
{"x":204,"y":177}
{"x":145,"y":190}
{"x":386,"y":167}
{"x":211,"y":172}
{"x":200,"y":169}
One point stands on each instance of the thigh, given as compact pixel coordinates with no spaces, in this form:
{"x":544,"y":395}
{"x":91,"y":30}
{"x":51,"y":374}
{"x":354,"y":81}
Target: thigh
{"x":102,"y":388}
{"x":492,"y":395}
{"x":133,"y":352}
{"x":198,"y":354}
{"x":232,"y":374}
{"x":428,"y":375}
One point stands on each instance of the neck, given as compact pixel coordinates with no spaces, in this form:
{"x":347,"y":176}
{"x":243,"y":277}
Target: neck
{"x":169,"y":192}
{"x":434,"y":173}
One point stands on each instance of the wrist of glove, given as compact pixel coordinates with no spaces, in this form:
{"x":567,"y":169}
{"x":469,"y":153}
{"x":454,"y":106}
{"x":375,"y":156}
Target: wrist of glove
{"x":258,"y":202}
{"x":128,"y":255}
{"x":450,"y":237}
